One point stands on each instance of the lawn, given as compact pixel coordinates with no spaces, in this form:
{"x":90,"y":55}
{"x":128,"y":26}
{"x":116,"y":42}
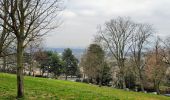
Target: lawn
{"x":50,"y":89}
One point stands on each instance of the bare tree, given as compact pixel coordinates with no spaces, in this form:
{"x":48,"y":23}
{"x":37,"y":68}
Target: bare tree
{"x":116,"y":37}
{"x":155,"y":66}
{"x":31,"y":49}
{"x":166,"y":50}
{"x":6,"y":39}
{"x":28,"y":19}
{"x":139,"y":40}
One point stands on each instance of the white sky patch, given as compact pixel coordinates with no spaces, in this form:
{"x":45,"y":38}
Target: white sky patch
{"x":88,"y":12}
{"x":68,"y":14}
{"x":81,"y":17}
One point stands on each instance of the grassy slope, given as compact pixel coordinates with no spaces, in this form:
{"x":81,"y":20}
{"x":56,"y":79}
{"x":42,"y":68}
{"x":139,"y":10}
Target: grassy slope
{"x":49,"y":89}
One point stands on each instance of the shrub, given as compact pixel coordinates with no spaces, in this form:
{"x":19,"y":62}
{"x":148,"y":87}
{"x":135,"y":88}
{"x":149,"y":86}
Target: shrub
{"x":85,"y":81}
{"x":78,"y":80}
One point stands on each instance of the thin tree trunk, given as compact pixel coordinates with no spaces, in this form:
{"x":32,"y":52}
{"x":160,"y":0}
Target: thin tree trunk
{"x":142,"y":86}
{"x":20,"y":85}
{"x":4,"y":64}
{"x":30,"y":68}
{"x":141,"y":82}
{"x":33,"y":74}
{"x":66,"y":77}
{"x":47,"y":73}
{"x":123,"y":82}
{"x":66,"y":74}
{"x":157,"y":88}
{"x":84,"y":76}
{"x":158,"y":91}
{"x":100,"y":82}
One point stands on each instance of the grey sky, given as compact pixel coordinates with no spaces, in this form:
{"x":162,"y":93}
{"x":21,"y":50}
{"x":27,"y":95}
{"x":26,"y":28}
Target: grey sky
{"x":81,"y":17}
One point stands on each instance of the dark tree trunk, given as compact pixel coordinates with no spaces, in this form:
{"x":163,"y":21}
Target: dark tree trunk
{"x":157,"y":90}
{"x":4,"y":64}
{"x":47,"y":73}
{"x":20,"y":85}
{"x":66,"y":77}
{"x":123,"y":82}
{"x":66,"y":74}
{"x":122,"y":74}
{"x":141,"y":81}
{"x":30,"y":68}
{"x":29,"y":73}
{"x":157,"y":87}
{"x":100,"y":82}
{"x":142,"y":86}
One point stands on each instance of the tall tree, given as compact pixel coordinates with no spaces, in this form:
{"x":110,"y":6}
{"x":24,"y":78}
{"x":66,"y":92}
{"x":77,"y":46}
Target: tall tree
{"x":155,"y":66}
{"x":71,"y":63}
{"x":166,"y":50}
{"x":139,"y":40}
{"x":115,"y":36}
{"x":56,"y":65}
{"x":6,"y":39}
{"x":27,"y":19}
{"x":31,"y":49}
{"x":93,"y":63}
{"x":42,"y":58}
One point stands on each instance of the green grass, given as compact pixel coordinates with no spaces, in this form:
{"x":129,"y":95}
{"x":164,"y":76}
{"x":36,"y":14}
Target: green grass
{"x":49,"y":89}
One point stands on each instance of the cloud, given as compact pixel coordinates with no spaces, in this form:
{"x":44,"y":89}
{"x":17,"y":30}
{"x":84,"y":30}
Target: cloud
{"x":69,"y":14}
{"x":81,"y":18}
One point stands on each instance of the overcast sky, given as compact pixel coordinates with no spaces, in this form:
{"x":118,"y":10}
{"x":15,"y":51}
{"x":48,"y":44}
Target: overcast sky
{"x":81,"y":17}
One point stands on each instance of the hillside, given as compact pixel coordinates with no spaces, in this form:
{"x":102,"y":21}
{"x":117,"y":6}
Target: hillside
{"x":49,"y":89}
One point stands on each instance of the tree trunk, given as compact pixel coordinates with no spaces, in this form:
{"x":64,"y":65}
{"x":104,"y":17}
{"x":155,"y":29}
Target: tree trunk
{"x":4,"y":64}
{"x":66,"y":77}
{"x":141,"y":82}
{"x":123,"y":82}
{"x":47,"y":73}
{"x":100,"y":82}
{"x":122,"y":74}
{"x":142,"y":86}
{"x":20,"y":85}
{"x":66,"y":74}
{"x":157,"y":88}
{"x":30,"y":68}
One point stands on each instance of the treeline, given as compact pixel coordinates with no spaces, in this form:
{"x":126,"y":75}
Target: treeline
{"x":126,"y":54}
{"x":42,"y":63}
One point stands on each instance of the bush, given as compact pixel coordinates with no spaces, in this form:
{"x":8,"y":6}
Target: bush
{"x":165,"y":90}
{"x":85,"y":81}
{"x":78,"y":80}
{"x":38,"y":76}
